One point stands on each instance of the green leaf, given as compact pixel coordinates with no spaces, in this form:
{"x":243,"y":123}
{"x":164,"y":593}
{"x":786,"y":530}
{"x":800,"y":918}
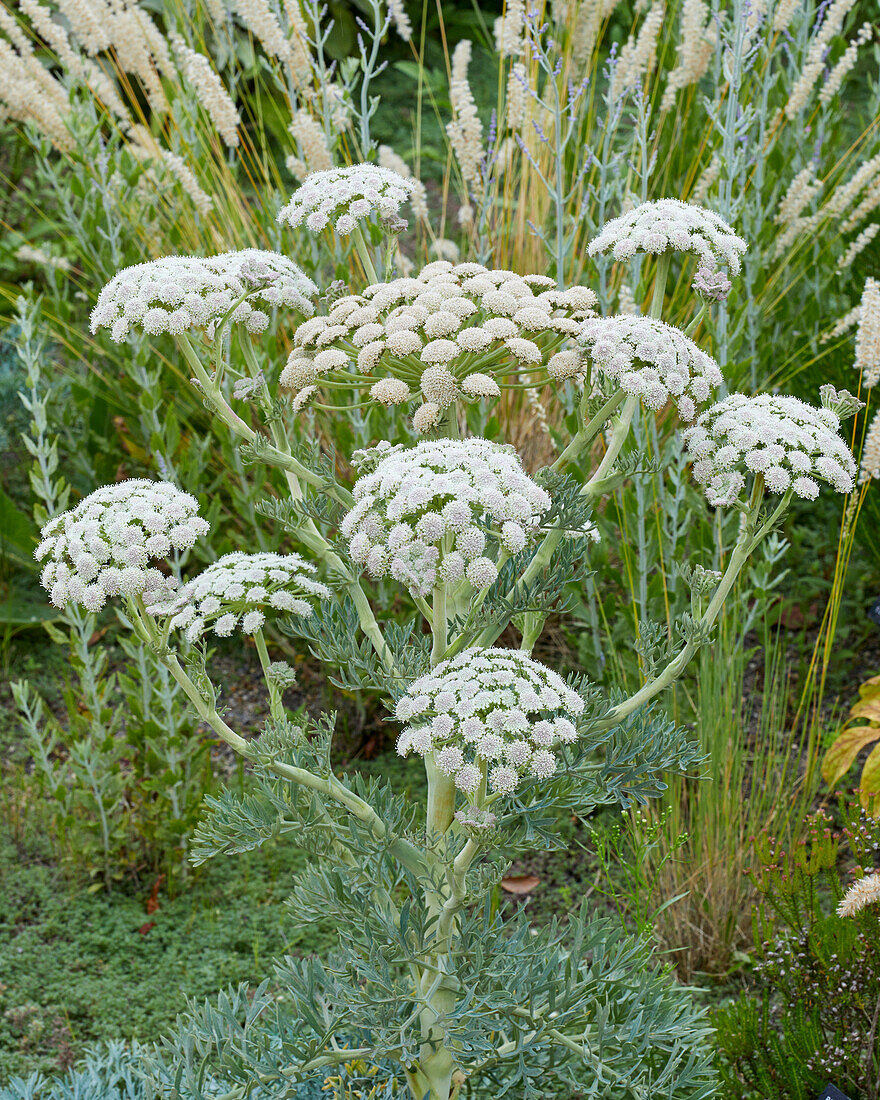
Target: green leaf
{"x":18,"y":533}
{"x":26,"y":613}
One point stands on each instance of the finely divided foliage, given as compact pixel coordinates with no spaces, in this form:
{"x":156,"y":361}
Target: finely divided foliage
{"x":431,"y":987}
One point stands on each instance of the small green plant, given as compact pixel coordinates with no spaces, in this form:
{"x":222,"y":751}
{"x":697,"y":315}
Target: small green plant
{"x":632,"y":854}
{"x":815,"y":1015}
{"x":121,"y":775}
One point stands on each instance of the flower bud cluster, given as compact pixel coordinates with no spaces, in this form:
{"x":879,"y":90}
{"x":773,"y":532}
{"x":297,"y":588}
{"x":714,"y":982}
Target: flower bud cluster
{"x":237,"y":590}
{"x":651,"y":359}
{"x":712,"y":286}
{"x":177,"y":293}
{"x":785,"y":440}
{"x":672,"y":225}
{"x":345,"y":196}
{"x":489,"y":713}
{"x":430,"y":332}
{"x":422,"y":514}
{"x":104,"y":546}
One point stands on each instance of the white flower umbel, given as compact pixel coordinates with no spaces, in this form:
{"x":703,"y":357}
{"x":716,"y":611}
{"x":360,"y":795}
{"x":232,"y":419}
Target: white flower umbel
{"x":423,"y":514}
{"x":237,"y":591}
{"x":789,"y":443}
{"x":177,"y":293}
{"x":651,"y":359}
{"x":345,"y":196}
{"x":670,"y":225}
{"x":454,"y":331}
{"x":106,"y":544}
{"x":491,"y":714}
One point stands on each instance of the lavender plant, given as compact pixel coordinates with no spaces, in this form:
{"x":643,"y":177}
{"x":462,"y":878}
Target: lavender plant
{"x":429,"y":978}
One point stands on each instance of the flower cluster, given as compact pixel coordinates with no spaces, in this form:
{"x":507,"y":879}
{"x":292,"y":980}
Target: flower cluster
{"x":176,"y":293}
{"x":453,"y":331}
{"x":670,"y":224}
{"x":345,"y":196}
{"x":421,"y":515}
{"x":787,"y":441}
{"x":863,"y":892}
{"x":238,"y":589}
{"x":492,"y":711}
{"x":103,"y":547}
{"x":651,"y":359}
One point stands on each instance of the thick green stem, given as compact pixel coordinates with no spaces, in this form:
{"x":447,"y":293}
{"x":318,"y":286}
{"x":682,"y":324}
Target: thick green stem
{"x":363,"y":251}
{"x":436,"y":1067}
{"x":660,"y":277}
{"x":585,"y":435}
{"x":615,"y":444}
{"x":439,"y":625}
{"x":696,"y":319}
{"x":276,"y":707}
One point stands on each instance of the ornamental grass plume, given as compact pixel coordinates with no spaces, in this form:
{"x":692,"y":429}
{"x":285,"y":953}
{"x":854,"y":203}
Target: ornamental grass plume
{"x":867,"y":357}
{"x":863,"y":892}
{"x":312,"y":141}
{"x":465,"y":130}
{"x":832,"y":17}
{"x":638,"y":56}
{"x":869,"y":464}
{"x":695,"y":47}
{"x":212,"y":95}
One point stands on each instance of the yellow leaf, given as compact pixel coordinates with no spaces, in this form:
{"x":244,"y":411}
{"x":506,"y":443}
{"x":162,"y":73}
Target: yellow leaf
{"x":868,"y":708}
{"x":870,"y":783}
{"x":870,"y":689}
{"x":839,"y":758}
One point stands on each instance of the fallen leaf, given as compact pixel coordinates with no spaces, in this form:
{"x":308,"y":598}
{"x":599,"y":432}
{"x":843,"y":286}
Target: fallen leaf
{"x":152,"y":903}
{"x":145,"y":928}
{"x":520,"y":884}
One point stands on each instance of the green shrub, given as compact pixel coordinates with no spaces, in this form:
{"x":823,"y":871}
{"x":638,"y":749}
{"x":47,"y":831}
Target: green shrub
{"x":814,"y":1017}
